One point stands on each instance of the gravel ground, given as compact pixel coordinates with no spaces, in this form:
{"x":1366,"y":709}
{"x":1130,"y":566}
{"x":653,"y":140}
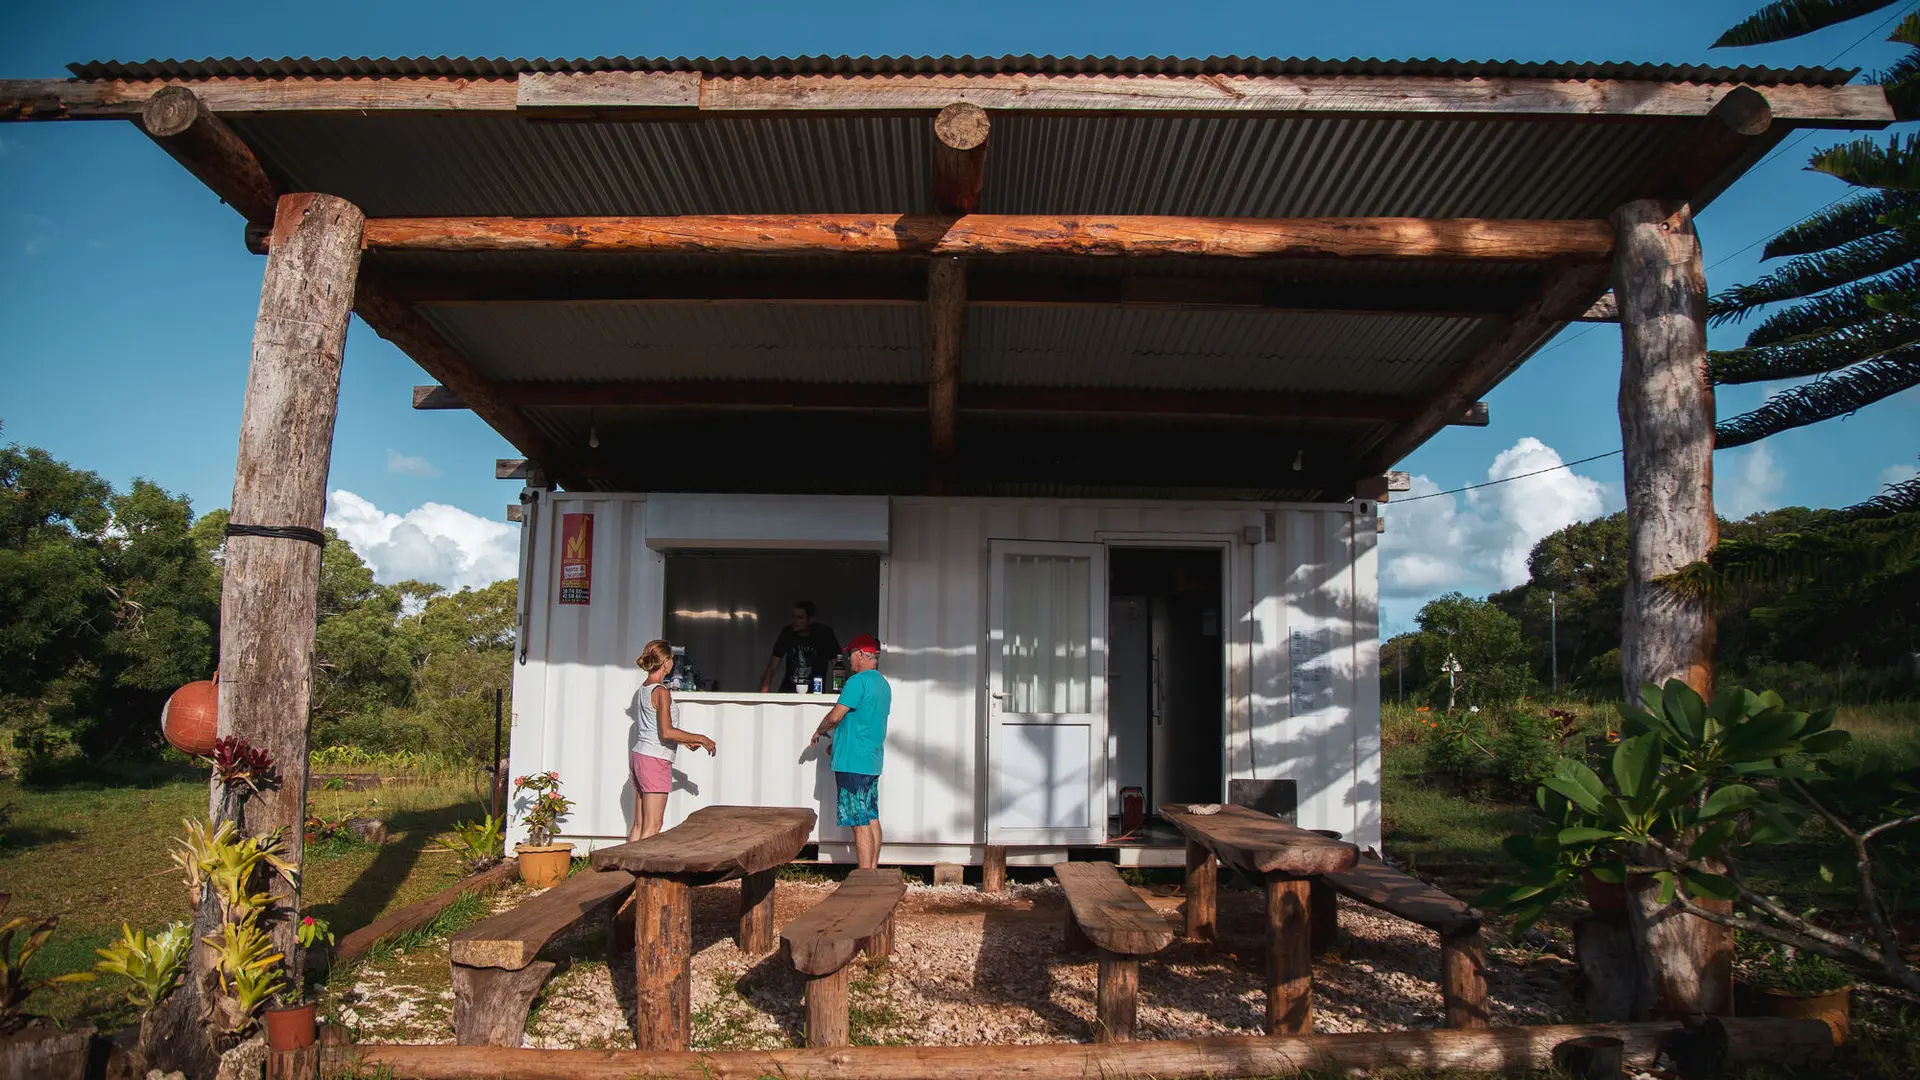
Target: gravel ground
{"x":972,"y":968}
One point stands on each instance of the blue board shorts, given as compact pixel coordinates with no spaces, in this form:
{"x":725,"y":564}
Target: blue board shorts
{"x":859,"y":798}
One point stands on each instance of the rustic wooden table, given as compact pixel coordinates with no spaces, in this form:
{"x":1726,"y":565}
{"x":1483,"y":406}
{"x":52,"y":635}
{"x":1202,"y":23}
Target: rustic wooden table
{"x":715,"y":843}
{"x":1283,"y":858}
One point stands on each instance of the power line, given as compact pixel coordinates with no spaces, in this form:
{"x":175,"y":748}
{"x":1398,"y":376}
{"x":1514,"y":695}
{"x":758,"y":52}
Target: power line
{"x":1507,"y":479}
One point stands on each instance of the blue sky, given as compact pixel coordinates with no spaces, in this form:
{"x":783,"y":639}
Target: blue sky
{"x":127,"y":298}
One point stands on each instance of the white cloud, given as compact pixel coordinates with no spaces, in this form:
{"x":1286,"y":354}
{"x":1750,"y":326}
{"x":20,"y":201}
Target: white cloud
{"x":398,"y":462}
{"x":1478,"y":542}
{"x":1898,"y":474}
{"x":432,"y":542}
{"x":1746,"y":482}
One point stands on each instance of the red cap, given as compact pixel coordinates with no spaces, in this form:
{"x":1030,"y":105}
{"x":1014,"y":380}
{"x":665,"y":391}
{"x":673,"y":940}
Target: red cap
{"x":866,"y":643}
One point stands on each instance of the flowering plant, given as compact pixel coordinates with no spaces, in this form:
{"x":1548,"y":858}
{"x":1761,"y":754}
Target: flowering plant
{"x":235,"y":761}
{"x":545,"y":806}
{"x":313,"y":932}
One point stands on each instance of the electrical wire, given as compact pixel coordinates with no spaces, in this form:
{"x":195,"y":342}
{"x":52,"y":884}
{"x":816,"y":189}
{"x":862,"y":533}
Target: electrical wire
{"x":1504,"y":479}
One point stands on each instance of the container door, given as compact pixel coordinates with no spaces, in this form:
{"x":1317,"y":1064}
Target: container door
{"x":1047,"y":709}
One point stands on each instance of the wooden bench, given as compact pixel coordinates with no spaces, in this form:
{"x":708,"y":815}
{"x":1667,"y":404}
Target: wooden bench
{"x":857,"y":917}
{"x":1104,"y":913}
{"x":495,"y":971}
{"x":1463,"y":953}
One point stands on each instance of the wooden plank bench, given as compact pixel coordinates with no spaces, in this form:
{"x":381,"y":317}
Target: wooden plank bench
{"x":1104,"y":913}
{"x":857,"y":917}
{"x":1463,"y":952}
{"x":495,"y":970}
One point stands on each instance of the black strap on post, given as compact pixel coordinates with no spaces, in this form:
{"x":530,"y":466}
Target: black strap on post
{"x":280,"y":532}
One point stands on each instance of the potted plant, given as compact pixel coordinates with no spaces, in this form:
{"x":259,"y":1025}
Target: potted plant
{"x":543,"y":863}
{"x":1793,"y":983}
{"x":33,"y":1045}
{"x":290,"y":1022}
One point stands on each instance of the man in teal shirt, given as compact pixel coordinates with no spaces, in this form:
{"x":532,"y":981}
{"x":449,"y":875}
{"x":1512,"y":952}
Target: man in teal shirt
{"x":858,"y":727}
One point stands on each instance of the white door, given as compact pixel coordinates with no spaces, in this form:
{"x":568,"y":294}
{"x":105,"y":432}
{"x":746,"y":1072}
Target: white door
{"x":1047,"y":681}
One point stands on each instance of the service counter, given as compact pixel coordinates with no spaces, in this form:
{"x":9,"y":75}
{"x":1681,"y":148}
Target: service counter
{"x":763,"y":757}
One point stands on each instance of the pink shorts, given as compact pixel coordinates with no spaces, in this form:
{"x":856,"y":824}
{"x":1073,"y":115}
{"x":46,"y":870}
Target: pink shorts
{"x":652,"y":775}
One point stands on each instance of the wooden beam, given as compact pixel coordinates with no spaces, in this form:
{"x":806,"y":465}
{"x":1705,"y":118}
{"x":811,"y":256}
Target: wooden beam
{"x":959,"y":157}
{"x":187,"y":130}
{"x":1470,"y":239}
{"x":1729,"y":132}
{"x":1605,"y":309}
{"x":1391,"y":95}
{"x":900,"y":397}
{"x":946,"y":321}
{"x":1568,"y":291}
{"x":987,"y":286}
{"x":509,"y":468}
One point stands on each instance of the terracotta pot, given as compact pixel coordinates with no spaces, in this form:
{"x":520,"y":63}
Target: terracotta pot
{"x":1833,"y":1006}
{"x":545,"y":866}
{"x":1603,"y":896}
{"x":290,"y":1028}
{"x":191,"y":718}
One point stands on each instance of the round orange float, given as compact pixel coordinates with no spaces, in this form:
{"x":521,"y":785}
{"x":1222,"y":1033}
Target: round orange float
{"x":191,"y":718}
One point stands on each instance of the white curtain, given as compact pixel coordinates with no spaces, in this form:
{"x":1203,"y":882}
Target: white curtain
{"x":1049,"y":633}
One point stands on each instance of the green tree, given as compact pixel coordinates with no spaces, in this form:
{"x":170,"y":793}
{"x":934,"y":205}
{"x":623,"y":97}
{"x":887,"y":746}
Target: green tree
{"x":1484,"y":641}
{"x":1579,"y":571}
{"x":1853,"y":275}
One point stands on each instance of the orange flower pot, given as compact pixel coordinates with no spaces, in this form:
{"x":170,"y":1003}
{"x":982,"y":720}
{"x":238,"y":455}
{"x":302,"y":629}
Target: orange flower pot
{"x":545,"y":866}
{"x":290,"y":1028}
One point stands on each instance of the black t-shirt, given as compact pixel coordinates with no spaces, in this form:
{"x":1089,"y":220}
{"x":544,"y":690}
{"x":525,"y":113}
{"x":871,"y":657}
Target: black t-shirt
{"x":808,"y":655}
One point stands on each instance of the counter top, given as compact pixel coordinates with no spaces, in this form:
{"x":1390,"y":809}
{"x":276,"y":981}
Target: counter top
{"x":726,"y":697}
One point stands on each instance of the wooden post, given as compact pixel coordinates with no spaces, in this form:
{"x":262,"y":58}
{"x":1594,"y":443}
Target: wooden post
{"x":662,"y":955}
{"x":993,"y":872}
{"x":1666,"y":429}
{"x":183,"y":126}
{"x":755,"y":935}
{"x":1326,"y":914}
{"x":1463,"y":978}
{"x":1203,"y":876}
{"x":490,"y":1004}
{"x":827,"y":1023}
{"x":959,"y":157}
{"x":1117,"y":997}
{"x":1289,"y":957}
{"x":946,"y":322}
{"x":880,"y":944}
{"x":301,"y":1064}
{"x":1072,"y":938}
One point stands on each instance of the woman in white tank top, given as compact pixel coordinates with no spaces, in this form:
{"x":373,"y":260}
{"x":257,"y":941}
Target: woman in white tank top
{"x":657,"y":733}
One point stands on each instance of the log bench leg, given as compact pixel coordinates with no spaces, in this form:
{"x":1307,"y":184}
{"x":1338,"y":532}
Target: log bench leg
{"x":993,"y":871}
{"x":1072,"y":938}
{"x":662,"y":956}
{"x":490,"y":1004}
{"x":755,"y":935}
{"x":1463,"y":979}
{"x":880,"y":944}
{"x":827,"y":1009}
{"x":1117,"y":998}
{"x":1289,"y":957}
{"x":1203,"y":876}
{"x":1326,"y":915}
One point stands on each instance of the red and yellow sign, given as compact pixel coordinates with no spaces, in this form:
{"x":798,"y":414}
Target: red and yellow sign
{"x":576,"y":558}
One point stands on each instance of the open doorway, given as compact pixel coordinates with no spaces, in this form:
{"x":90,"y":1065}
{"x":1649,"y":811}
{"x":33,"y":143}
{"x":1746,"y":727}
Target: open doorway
{"x":1166,"y":702}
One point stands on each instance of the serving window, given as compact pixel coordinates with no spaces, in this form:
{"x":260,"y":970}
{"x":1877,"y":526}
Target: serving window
{"x":727,"y":608}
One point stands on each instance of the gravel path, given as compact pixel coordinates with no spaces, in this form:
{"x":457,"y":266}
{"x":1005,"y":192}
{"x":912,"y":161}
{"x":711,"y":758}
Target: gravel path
{"x":972,"y":968}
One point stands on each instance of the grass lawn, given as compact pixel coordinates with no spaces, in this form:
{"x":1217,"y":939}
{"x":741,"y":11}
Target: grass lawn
{"x":98,"y":855}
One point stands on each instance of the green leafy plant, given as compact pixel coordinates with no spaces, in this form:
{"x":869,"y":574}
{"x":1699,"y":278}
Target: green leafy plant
{"x":479,"y":844}
{"x":1794,"y":971}
{"x":248,"y":970}
{"x":313,"y":932}
{"x":15,"y":987}
{"x":1691,"y":788}
{"x":544,"y":808}
{"x":153,"y":963}
{"x":227,"y":863}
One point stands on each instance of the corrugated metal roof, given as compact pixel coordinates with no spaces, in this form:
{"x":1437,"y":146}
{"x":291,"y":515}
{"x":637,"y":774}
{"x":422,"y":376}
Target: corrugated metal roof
{"x":500,"y":67}
{"x":1439,"y":166}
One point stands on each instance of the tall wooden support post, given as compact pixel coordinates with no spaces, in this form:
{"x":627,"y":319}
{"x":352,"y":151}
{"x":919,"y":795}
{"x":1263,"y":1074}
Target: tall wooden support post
{"x":959,"y":157}
{"x":1666,"y":428}
{"x":1203,"y":877}
{"x":662,"y":954}
{"x":1289,"y":956}
{"x":946,"y":321}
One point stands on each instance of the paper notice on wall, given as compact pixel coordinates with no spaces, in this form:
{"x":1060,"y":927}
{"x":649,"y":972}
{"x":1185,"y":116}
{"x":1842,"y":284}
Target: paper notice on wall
{"x":576,"y":558}
{"x":1312,"y":680}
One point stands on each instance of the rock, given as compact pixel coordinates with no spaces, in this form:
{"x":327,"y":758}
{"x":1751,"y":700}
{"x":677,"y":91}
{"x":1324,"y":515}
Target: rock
{"x":368,"y":830}
{"x":244,"y":1062}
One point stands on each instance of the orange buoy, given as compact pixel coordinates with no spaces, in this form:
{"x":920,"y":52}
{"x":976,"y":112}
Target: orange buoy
{"x":191,"y":718}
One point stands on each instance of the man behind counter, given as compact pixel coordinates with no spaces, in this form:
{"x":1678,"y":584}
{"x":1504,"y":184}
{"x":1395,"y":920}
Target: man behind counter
{"x":807,"y":647}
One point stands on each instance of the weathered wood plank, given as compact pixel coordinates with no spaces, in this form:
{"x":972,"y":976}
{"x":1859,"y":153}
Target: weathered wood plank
{"x":716,"y":843}
{"x":1110,"y":913}
{"x":1260,"y":843}
{"x":1509,"y":240}
{"x":825,"y":937}
{"x":355,"y":945}
{"x":514,"y":937}
{"x":1507,"y":1049}
{"x":71,"y":99}
{"x":607,"y":91}
{"x":490,"y":1004}
{"x":1373,"y":882}
{"x":959,"y":157}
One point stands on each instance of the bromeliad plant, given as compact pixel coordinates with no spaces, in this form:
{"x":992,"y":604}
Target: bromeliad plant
{"x":248,"y":969}
{"x":481,"y":843}
{"x":15,"y":987}
{"x":545,"y":807}
{"x":1691,"y":788}
{"x":221,"y":863}
{"x":153,"y":964}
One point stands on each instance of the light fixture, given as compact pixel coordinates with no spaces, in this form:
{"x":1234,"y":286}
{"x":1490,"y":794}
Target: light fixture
{"x":593,"y":433}
{"x":1299,"y":460}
